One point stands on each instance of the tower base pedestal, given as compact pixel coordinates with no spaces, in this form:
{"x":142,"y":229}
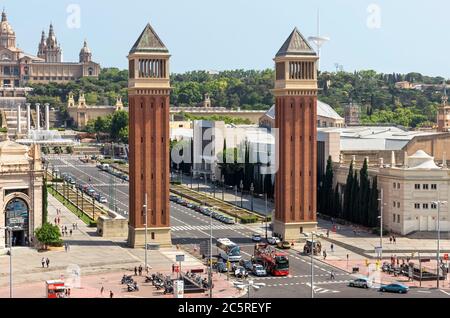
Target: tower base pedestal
{"x":293,"y":231}
{"x":155,"y":235}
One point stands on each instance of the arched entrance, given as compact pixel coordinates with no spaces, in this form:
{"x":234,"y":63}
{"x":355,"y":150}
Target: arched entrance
{"x":17,"y":217}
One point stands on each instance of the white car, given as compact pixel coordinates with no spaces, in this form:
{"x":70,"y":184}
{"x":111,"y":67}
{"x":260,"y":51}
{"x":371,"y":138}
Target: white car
{"x":259,"y":270}
{"x":273,"y":240}
{"x":256,"y":238}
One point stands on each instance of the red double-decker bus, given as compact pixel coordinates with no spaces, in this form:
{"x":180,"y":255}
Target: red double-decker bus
{"x":275,"y":262}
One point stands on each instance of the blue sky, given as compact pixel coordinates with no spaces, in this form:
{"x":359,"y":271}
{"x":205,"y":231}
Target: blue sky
{"x":388,"y":36}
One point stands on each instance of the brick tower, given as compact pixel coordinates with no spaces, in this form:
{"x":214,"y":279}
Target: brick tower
{"x":148,"y":95}
{"x":296,"y":120}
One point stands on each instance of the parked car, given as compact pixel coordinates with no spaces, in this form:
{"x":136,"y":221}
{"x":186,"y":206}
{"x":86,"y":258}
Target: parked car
{"x":273,"y":240}
{"x":102,"y":199}
{"x":259,"y":270}
{"x":227,"y":220}
{"x":360,"y":283}
{"x":256,"y":237}
{"x":221,"y":267}
{"x":248,"y":265}
{"x":172,"y":197}
{"x":190,"y":205}
{"x":394,"y":288}
{"x":197,"y":208}
{"x":284,"y":245}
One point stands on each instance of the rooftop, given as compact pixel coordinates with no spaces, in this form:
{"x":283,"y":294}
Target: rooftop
{"x":323,"y":110}
{"x":296,"y":44}
{"x":149,"y":41}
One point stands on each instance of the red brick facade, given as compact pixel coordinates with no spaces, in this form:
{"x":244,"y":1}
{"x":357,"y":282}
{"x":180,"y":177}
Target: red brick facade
{"x":149,"y":158}
{"x":296,"y":179}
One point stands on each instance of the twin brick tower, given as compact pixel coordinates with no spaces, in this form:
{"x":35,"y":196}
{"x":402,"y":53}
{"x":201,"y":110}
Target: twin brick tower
{"x":296,"y":120}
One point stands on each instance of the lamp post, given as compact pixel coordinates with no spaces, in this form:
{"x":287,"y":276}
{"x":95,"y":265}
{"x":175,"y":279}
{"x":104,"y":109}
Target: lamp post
{"x":223,"y":188}
{"x":265,"y":198}
{"x":213,"y":180}
{"x":192,"y":176}
{"x":9,"y":230}
{"x":144,"y":207}
{"x":438,"y":250}
{"x":241,"y":185}
{"x":312,"y":265}
{"x":210,"y":255}
{"x":252,"y":188}
{"x":381,"y":223}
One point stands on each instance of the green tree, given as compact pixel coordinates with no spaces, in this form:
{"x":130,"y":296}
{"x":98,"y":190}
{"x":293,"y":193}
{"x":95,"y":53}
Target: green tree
{"x":347,"y":212}
{"x":118,"y":122}
{"x":48,"y":235}
{"x":364,"y":194}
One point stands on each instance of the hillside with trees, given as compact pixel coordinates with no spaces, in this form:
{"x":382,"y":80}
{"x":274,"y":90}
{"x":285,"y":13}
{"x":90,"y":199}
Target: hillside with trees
{"x":380,"y":100}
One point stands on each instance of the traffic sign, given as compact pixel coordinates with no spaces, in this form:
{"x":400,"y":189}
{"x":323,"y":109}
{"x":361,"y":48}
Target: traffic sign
{"x":179,"y":258}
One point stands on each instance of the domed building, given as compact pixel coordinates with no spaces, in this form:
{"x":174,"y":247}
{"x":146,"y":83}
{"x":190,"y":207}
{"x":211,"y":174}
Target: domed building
{"x":20,"y":192}
{"x":19,"y":68}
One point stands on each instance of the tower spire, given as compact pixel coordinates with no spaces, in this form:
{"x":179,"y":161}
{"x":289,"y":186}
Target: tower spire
{"x":4,"y":18}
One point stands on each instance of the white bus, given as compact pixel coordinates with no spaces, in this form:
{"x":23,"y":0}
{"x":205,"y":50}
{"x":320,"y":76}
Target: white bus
{"x":228,"y":250}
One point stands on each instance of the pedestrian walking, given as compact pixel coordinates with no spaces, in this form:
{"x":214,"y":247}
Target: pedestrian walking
{"x":135,"y":271}
{"x":324,"y":254}
{"x":65,"y":247}
{"x":390,"y":239}
{"x":328,"y":233}
{"x":332,"y":247}
{"x":76,"y":226}
{"x":70,"y":232}
{"x":332,"y":277}
{"x":140,"y":270}
{"x":73,"y":226}
{"x":56,"y":221}
{"x":394,"y":239}
{"x":65,"y":228}
{"x":47,"y":261}
{"x":68,"y":292}
{"x":102,"y":290}
{"x":43,"y":262}
{"x":111,"y":294}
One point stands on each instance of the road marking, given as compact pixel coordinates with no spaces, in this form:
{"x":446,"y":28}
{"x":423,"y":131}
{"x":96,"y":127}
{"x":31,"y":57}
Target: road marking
{"x":444,"y":292}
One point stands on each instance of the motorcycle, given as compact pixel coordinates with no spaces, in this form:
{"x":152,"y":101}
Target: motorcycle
{"x":127,"y":279}
{"x":132,"y":287}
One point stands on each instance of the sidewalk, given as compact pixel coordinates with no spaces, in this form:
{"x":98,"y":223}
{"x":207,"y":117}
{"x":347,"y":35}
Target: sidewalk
{"x":95,"y":261}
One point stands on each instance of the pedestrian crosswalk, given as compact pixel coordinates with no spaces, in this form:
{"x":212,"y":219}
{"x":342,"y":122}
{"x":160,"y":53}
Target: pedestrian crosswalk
{"x":204,"y":227}
{"x":320,"y":290}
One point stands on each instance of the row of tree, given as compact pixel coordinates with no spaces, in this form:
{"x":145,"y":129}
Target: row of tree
{"x":360,"y":201}
{"x":114,"y":125}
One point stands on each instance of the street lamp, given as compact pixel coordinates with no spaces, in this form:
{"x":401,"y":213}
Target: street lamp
{"x":192,"y":176}
{"x":9,"y":230}
{"x":252,"y":188}
{"x":241,"y":185}
{"x":210,"y":254}
{"x":382,"y":204}
{"x":248,"y":284}
{"x":144,"y":207}
{"x":223,"y":188}
{"x":312,"y":264}
{"x":438,"y":251}
{"x":265,"y":198}
{"x":213,"y":180}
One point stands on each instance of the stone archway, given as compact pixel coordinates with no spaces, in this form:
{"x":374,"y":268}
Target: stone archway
{"x":17,"y":214}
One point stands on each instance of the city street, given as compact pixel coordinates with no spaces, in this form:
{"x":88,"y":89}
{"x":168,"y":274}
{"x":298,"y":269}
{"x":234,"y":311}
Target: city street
{"x":191,"y":228}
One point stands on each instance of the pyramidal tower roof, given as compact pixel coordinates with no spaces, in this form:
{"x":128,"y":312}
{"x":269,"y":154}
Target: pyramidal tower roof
{"x":149,"y":41}
{"x":296,"y":44}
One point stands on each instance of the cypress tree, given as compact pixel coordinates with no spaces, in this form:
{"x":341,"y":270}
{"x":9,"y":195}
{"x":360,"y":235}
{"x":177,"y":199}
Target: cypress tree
{"x":328,"y":188}
{"x":364,"y":193}
{"x":348,"y":193}
{"x":373,"y":204}
{"x":337,"y":207}
{"x":355,"y":199}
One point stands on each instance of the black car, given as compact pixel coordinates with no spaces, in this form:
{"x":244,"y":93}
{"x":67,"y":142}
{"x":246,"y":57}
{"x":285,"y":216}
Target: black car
{"x":221,"y":267}
{"x":248,"y":265}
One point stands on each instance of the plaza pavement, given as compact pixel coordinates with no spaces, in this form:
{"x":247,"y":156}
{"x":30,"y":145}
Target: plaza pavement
{"x":98,"y":261}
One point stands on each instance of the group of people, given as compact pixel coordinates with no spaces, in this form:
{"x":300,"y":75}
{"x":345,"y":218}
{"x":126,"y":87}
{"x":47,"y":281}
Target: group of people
{"x":65,"y":232}
{"x":45,"y":261}
{"x":111,"y":294}
{"x":139,"y":270}
{"x":392,"y":239}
